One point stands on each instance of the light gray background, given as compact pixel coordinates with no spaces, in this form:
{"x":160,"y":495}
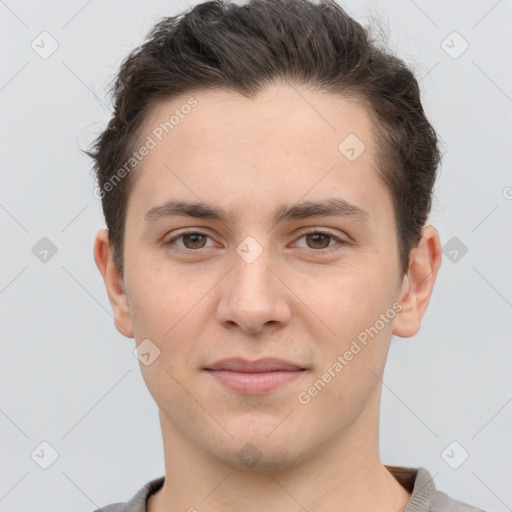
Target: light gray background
{"x":68,"y":378}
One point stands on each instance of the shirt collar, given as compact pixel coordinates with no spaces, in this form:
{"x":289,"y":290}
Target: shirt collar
{"x":415,"y":480}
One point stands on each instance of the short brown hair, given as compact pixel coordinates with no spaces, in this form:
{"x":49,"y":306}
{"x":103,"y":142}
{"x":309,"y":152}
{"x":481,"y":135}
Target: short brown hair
{"x":242,"y":48}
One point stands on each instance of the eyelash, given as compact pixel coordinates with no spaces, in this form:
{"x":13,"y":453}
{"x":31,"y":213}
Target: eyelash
{"x":326,"y":250}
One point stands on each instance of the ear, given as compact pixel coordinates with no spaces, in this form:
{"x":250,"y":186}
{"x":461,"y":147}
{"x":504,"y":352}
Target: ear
{"x":418,"y":283}
{"x":113,"y":283}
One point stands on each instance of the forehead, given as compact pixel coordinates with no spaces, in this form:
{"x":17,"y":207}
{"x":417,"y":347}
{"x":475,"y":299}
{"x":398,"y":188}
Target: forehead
{"x":292,"y":114}
{"x":220,"y":144}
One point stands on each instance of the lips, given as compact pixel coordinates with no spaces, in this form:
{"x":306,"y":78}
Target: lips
{"x":262,"y":365}
{"x":254,"y":377}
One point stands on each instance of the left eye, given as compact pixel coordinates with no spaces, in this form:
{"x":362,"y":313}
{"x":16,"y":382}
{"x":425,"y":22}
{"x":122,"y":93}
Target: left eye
{"x":319,"y":239}
{"x":195,"y":239}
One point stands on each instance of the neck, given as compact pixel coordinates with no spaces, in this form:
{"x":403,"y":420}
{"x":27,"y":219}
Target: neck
{"x":348,"y":476}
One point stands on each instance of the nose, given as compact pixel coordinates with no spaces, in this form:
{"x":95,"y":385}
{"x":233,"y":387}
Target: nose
{"x":253,"y":296}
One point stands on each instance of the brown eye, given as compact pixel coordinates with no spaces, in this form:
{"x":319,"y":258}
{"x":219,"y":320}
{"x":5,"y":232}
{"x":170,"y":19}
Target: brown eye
{"x":318,"y":240}
{"x":194,"y":240}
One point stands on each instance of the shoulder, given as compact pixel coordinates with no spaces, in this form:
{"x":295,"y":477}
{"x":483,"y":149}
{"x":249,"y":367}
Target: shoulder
{"x":138,"y":502}
{"x":114,"y":507}
{"x":443,"y":503}
{"x":426,"y":498}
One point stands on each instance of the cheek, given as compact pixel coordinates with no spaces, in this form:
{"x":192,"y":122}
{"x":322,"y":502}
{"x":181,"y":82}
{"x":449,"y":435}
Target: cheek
{"x":163,"y":301}
{"x":358,"y":307}
{"x":364,"y":305}
{"x":168,"y":308}
{"x":348,"y":381}
{"x":348,"y":299}
{"x":163,"y":311}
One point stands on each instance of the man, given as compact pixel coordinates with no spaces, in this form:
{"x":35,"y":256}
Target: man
{"x":266,"y":180}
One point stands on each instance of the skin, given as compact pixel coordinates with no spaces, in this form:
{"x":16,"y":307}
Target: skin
{"x":249,"y":156}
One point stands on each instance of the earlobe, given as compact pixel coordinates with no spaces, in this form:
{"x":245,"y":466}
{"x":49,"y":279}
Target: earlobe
{"x":418,"y":284}
{"x":113,"y":284}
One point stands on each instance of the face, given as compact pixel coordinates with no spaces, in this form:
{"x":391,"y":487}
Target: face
{"x":272,"y":302}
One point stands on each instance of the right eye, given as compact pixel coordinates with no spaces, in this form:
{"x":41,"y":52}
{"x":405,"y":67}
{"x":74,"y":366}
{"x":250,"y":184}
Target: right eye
{"x":192,"y":240}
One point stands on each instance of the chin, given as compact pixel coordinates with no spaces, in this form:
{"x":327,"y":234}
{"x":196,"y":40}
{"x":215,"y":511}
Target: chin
{"x":257,"y":457}
{"x":260,"y":450}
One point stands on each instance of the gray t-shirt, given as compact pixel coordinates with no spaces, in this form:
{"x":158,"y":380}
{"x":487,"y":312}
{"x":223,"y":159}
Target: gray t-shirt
{"x":424,"y":496}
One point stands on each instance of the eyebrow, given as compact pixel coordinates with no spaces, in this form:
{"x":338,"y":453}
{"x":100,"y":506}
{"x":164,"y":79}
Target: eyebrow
{"x":330,"y":207}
